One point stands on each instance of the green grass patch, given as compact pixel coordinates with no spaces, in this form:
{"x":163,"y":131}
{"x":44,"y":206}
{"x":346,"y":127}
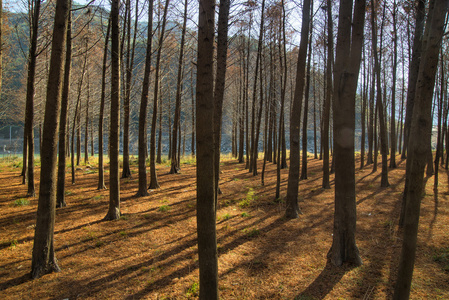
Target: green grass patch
{"x":251,"y":232}
{"x":249,"y":199}
{"x":21,"y":202}
{"x":224,"y":217}
{"x":193,"y":290}
{"x":164,"y":208}
{"x":245,"y":215}
{"x":441,"y":256}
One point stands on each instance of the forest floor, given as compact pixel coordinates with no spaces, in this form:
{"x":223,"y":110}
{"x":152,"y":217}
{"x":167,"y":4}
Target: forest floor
{"x":151,"y":252}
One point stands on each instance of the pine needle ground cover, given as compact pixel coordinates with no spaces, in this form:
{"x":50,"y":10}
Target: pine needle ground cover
{"x":151,"y":252}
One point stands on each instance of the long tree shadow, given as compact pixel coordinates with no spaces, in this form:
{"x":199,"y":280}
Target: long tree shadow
{"x":325,"y":282}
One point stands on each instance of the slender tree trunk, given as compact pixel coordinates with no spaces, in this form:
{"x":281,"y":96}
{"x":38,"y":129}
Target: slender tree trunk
{"x":413,"y":71}
{"x":153,"y":176}
{"x":328,"y":97}
{"x":306,"y":104}
{"x":101,"y":185}
{"x":192,"y":147}
{"x":206,"y":218}
{"x":283,"y":79}
{"x":114,"y":123}
{"x":363,"y":112}
{"x":418,"y":143}
{"x":29,"y":110}
{"x":176,"y":121}
{"x":393,"y":92}
{"x":86,"y":128}
{"x":347,"y":65}
{"x":143,"y":108}
{"x":382,"y":125}
{"x":126,"y":171}
{"x":43,"y":257}
{"x":60,"y":194}
{"x":292,"y":209}
{"x":220,"y":80}
{"x":256,"y":127}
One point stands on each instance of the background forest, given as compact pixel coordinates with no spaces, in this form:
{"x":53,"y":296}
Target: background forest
{"x":299,"y":96}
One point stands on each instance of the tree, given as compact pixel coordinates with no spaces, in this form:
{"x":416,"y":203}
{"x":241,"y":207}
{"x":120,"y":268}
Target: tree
{"x":347,"y":66}
{"x":256,"y":130}
{"x":328,"y":97}
{"x":379,"y":105}
{"x":101,"y":185}
{"x":60,"y":196}
{"x":176,"y":122}
{"x":114,"y":126}
{"x":129,"y":72}
{"x":29,"y":110}
{"x":292,"y":209}
{"x":419,"y":140}
{"x":206,"y":218}
{"x":393,"y":90}
{"x":143,"y":108}
{"x":43,"y":257}
{"x":153,"y":176}
{"x":413,"y":70}
{"x":306,"y":103}
{"x":220,"y":80}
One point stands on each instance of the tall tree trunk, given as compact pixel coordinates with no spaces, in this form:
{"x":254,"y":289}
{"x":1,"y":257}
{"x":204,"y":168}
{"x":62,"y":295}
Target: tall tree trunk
{"x":328,"y":97}
{"x":43,"y":258}
{"x":29,"y":110}
{"x":283,"y":80}
{"x":413,"y":70}
{"x":60,"y":194}
{"x":176,"y":121}
{"x":306,"y":104}
{"x":419,"y":141}
{"x":370,"y":158}
{"x":206,"y":218}
{"x":86,"y":126}
{"x":292,"y":209}
{"x":126,"y":171}
{"x":382,"y":125}
{"x":347,"y":66}
{"x":393,"y":91}
{"x":363,"y":112}
{"x":153,"y":176}
{"x":101,"y":185}
{"x":256,"y":127}
{"x":192,"y":147}
{"x":143,"y":108}
{"x":219,"y":88}
{"x":114,"y":123}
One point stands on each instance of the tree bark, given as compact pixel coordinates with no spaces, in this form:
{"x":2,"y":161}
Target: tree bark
{"x":60,"y":194}
{"x":292,"y":210}
{"x":206,"y":218}
{"x":114,"y":123}
{"x":413,"y":71}
{"x":153,"y":176}
{"x":393,"y":91}
{"x":43,"y":257}
{"x":220,"y":80}
{"x":347,"y":65}
{"x":419,"y":141}
{"x":29,"y":110}
{"x":101,"y":185}
{"x":143,"y":108}
{"x":176,"y":121}
{"x":382,"y":121}
{"x":328,"y":97}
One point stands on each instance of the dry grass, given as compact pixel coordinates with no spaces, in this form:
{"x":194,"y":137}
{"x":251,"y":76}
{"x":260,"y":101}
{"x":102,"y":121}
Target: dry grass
{"x":151,"y":252}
